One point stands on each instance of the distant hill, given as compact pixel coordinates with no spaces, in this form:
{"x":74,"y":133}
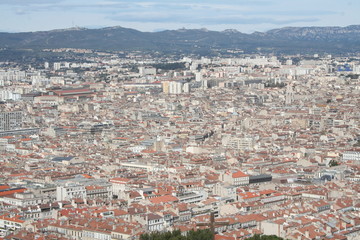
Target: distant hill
{"x":291,"y":40}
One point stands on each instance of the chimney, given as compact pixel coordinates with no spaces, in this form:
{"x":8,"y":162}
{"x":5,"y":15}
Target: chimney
{"x":328,"y":229}
{"x":307,"y":233}
{"x":352,"y":222}
{"x":343,"y":224}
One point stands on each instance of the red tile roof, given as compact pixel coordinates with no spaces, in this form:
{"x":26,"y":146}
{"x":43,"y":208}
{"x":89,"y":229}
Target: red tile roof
{"x":164,"y":199}
{"x":239,"y":174}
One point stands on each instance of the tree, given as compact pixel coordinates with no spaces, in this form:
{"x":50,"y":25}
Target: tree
{"x":176,"y":235}
{"x":333,"y":163}
{"x":264,"y":237}
{"x":199,"y":235}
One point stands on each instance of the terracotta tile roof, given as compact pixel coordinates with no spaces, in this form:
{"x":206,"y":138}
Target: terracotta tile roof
{"x":239,"y":174}
{"x":164,"y":199}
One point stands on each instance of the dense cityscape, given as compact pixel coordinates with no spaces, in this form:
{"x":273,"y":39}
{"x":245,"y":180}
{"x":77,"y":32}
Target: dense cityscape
{"x":113,"y":146}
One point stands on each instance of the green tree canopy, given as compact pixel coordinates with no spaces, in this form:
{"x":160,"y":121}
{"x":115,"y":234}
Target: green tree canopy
{"x":333,"y":163}
{"x":264,"y":237}
{"x":196,"y":235}
{"x":176,"y":235}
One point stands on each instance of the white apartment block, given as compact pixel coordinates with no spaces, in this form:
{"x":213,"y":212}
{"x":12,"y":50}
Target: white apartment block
{"x":238,"y":143}
{"x":351,"y":156}
{"x":70,"y":191}
{"x":11,"y":120}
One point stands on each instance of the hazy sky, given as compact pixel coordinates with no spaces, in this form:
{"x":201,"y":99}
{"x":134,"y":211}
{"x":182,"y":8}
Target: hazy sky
{"x":154,"y":15}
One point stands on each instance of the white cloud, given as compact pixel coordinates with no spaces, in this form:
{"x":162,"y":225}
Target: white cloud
{"x":160,"y":14}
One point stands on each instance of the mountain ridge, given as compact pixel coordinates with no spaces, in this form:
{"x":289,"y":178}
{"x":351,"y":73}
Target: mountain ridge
{"x":281,"y":40}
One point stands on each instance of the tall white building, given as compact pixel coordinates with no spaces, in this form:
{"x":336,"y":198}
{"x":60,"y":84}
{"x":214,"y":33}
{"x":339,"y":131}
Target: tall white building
{"x":57,"y":66}
{"x":178,"y":87}
{"x":289,"y":95}
{"x":239,"y":143}
{"x":70,"y":191}
{"x":143,"y":71}
{"x":351,"y":156}
{"x":11,"y":120}
{"x":8,"y":76}
{"x":198,"y":76}
{"x":175,"y":87}
{"x":9,"y":95}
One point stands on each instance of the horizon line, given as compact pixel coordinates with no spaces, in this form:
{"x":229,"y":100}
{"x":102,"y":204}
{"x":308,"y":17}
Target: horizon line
{"x":78,"y":28}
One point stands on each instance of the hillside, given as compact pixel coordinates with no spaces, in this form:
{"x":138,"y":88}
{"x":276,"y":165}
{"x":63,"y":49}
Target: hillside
{"x":341,"y":40}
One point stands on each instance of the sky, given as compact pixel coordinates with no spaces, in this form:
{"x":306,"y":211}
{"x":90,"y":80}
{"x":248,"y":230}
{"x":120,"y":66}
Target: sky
{"x":156,"y":15}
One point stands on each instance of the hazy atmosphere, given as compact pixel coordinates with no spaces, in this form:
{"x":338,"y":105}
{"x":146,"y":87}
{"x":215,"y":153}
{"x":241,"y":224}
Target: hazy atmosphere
{"x":156,"y":15}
